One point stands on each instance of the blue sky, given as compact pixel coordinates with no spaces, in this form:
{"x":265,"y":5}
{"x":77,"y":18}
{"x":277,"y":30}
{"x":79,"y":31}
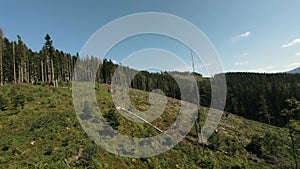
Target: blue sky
{"x":249,"y":35}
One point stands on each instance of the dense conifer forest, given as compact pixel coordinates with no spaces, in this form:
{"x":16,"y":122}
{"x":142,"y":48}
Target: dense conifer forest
{"x":255,"y":96}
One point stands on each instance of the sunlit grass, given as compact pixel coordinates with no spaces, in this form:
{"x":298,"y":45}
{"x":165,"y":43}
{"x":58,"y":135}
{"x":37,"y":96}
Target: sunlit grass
{"x":45,"y":133}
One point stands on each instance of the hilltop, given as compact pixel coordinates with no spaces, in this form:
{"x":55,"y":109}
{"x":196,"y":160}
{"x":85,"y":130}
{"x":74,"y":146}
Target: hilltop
{"x":294,"y":71}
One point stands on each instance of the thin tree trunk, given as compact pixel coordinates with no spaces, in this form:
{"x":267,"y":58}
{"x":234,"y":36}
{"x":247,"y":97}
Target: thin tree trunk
{"x":52,"y":72}
{"x":68,"y":69}
{"x":34,"y":73}
{"x":28,"y":71}
{"x":70,"y":62}
{"x":42,"y":71}
{"x":14,"y":63}
{"x":199,"y":132}
{"x":48,"y":70}
{"x":19,"y":73}
{"x":62,"y":72}
{"x":22,"y":73}
{"x":26,"y":68}
{"x":25,"y":72}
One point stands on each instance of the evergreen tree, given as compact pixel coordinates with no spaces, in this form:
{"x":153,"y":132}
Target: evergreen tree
{"x":263,"y":113}
{"x":48,"y":52}
{"x":21,"y":59}
{"x":292,"y":114}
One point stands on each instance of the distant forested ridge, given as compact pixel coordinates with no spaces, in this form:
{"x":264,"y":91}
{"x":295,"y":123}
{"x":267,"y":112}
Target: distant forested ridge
{"x":260,"y":97}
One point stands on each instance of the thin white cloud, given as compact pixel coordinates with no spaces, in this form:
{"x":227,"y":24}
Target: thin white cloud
{"x":298,"y":54}
{"x":291,"y":43}
{"x":259,"y":70}
{"x":245,"y":35}
{"x":293,"y":65}
{"x":268,"y":69}
{"x":238,"y":37}
{"x":241,"y":63}
{"x":245,"y":54}
{"x":241,"y":55}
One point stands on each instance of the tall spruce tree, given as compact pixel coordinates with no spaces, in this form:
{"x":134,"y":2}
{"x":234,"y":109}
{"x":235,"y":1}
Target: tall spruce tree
{"x":48,"y":52}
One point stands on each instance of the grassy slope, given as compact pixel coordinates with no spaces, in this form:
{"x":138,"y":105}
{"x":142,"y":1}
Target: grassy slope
{"x":48,"y":122}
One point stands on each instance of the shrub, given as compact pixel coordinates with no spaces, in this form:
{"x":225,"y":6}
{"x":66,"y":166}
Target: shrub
{"x":18,"y":100}
{"x":112,"y":118}
{"x":30,"y":98}
{"x":53,"y":103}
{"x":3,"y":102}
{"x":270,"y":147}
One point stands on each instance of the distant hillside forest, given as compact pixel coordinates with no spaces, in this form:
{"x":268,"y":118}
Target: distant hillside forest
{"x":260,"y":97}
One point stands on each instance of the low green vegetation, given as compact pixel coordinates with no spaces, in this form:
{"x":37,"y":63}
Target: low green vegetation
{"x":39,"y":129}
